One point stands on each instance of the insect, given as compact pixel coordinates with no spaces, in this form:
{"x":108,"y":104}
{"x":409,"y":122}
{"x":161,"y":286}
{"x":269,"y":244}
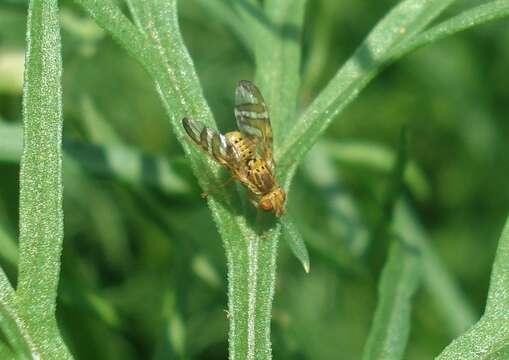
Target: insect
{"x":247,"y":153}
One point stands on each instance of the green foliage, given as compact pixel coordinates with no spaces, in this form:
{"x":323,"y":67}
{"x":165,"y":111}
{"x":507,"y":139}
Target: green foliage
{"x":391,"y":324}
{"x":405,"y":20}
{"x":489,"y":337}
{"x":295,"y":242}
{"x":28,"y":315}
{"x":118,"y":161}
{"x":478,"y":15}
{"x":142,"y":273}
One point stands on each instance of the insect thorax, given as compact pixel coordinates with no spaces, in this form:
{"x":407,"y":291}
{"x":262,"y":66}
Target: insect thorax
{"x":260,"y":176}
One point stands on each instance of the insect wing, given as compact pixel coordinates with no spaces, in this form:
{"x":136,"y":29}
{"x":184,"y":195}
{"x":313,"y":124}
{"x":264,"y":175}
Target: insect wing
{"x":253,"y":118}
{"x":214,"y":143}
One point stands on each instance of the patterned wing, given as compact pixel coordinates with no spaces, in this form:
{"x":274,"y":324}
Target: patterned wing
{"x":214,"y":143}
{"x":253,"y":118}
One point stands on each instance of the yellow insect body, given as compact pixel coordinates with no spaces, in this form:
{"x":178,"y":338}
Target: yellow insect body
{"x":247,"y":153}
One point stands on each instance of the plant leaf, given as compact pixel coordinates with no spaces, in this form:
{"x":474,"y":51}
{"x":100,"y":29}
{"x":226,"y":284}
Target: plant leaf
{"x":455,"y":310}
{"x":295,"y":241}
{"x":377,"y":157}
{"x":225,"y":13}
{"x":41,"y":214}
{"x":251,"y":256}
{"x":109,"y":16}
{"x":403,"y":21}
{"x":11,"y":146}
{"x":341,"y":215}
{"x":277,"y":58}
{"x":98,"y":130}
{"x":457,"y":313}
{"x":489,"y":338}
{"x":478,"y":15}
{"x":277,"y":50}
{"x":8,"y":246}
{"x":170,"y":65}
{"x":10,"y":322}
{"x":117,"y":161}
{"x":391,"y":325}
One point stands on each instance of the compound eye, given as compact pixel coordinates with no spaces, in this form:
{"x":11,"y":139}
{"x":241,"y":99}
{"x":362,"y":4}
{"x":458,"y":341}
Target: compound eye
{"x":266,"y":204}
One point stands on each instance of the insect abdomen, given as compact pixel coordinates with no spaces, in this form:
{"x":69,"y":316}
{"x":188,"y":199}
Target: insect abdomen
{"x":245,"y":147}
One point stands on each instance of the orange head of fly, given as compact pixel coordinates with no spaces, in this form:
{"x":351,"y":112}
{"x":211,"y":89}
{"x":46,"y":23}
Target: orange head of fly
{"x":274,"y":201}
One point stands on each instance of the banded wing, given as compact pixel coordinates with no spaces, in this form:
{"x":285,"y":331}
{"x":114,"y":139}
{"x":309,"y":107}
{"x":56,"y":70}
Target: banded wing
{"x":253,"y":118}
{"x":214,"y":143}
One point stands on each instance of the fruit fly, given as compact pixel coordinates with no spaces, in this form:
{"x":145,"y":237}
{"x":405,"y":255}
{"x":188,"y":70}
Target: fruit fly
{"x":246,"y":153}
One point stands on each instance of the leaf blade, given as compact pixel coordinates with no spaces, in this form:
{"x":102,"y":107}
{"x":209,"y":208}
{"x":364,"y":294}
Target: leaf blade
{"x":11,"y":323}
{"x":41,"y":213}
{"x":489,"y":338}
{"x":295,"y":241}
{"x":278,"y":58}
{"x":404,"y":20}
{"x":457,"y":313}
{"x":118,"y":161}
{"x":399,"y":281}
{"x":478,"y":15}
{"x":250,"y":255}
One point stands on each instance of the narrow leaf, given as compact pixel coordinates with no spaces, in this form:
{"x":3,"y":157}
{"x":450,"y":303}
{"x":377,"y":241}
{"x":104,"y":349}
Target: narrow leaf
{"x":41,"y":214}
{"x":295,"y":241}
{"x":478,"y":15}
{"x":220,"y":10}
{"x":117,"y":161}
{"x":377,"y":157}
{"x":98,"y":129}
{"x":109,"y":16}
{"x":342,"y":219}
{"x":250,"y":255}
{"x":457,"y":313}
{"x":10,"y":323}
{"x":391,"y":325}
{"x":11,"y":146}
{"x":498,"y":297}
{"x":8,"y":246}
{"x":5,"y":351}
{"x":172,"y":69}
{"x":277,"y":56}
{"x":405,"y":20}
{"x":11,"y":72}
{"x":341,"y":214}
{"x":489,"y":338}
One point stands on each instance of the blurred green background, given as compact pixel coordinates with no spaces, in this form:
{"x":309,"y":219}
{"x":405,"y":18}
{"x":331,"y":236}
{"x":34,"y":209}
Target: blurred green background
{"x":143,"y":272}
